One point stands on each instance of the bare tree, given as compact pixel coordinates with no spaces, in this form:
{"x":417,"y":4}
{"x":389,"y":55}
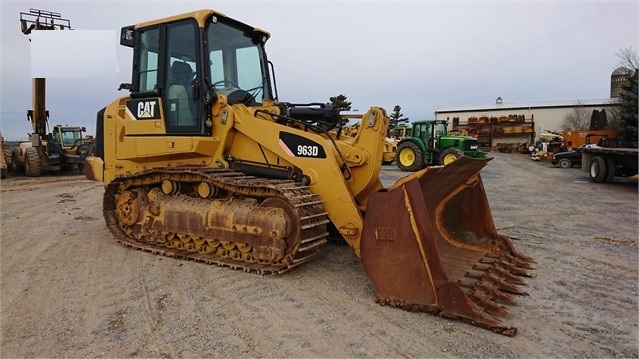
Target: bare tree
{"x":628,"y":58}
{"x":578,"y":119}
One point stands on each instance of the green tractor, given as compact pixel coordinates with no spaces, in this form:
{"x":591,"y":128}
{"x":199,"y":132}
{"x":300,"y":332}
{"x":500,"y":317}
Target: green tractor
{"x":429,"y":144}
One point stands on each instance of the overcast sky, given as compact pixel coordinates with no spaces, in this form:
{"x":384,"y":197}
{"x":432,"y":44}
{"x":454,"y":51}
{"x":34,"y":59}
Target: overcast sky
{"x":416,"y":54}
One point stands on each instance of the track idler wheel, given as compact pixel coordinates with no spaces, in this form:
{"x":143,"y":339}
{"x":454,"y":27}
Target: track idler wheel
{"x":129,"y":205}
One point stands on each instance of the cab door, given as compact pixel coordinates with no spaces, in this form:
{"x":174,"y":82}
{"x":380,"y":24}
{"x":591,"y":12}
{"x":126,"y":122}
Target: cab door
{"x":425,"y":132}
{"x":167,"y":77}
{"x":182,"y":100}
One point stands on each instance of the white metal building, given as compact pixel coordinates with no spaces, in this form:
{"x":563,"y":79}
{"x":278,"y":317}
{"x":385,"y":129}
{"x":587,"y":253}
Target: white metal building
{"x":547,"y":116}
{"x":539,"y":117}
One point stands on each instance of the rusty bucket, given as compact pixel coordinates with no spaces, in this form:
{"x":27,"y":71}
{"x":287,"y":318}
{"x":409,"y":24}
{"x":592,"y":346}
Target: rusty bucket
{"x":429,"y":243}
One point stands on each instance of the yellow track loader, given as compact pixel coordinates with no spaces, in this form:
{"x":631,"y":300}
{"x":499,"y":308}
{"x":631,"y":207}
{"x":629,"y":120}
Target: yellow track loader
{"x":201,"y":161}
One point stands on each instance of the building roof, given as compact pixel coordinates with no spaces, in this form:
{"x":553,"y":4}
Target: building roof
{"x":527,"y":105}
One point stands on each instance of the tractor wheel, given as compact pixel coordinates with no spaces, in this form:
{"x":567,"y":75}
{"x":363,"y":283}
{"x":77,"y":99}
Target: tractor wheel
{"x":32,"y":162}
{"x":16,"y":162}
{"x":86,"y":150}
{"x":409,"y":157}
{"x":565,"y":163}
{"x":598,"y":169}
{"x":449,"y":155}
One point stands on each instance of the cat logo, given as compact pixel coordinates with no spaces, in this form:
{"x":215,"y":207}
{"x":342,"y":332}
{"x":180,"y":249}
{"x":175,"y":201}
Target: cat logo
{"x":146,"y":109}
{"x":143,"y":109}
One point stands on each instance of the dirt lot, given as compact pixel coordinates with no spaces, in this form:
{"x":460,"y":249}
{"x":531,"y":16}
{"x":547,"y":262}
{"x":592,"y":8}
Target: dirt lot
{"x":68,"y":290}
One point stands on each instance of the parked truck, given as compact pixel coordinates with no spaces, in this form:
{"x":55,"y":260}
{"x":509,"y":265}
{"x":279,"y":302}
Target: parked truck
{"x":605,"y":163}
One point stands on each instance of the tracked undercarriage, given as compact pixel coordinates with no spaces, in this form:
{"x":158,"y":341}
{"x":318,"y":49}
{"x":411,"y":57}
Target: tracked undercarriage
{"x":217,"y":216}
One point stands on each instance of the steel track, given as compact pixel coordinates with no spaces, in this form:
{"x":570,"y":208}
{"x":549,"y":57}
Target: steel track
{"x":309,"y":208}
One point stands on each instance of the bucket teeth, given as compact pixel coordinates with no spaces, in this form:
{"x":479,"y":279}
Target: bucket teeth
{"x":513,"y":270}
{"x":506,"y":258}
{"x":495,"y":292}
{"x":521,"y":263}
{"x":497,"y":281}
{"x":519,"y":256}
{"x":489,"y":288}
{"x":518,"y":262}
{"x":485,"y":300}
{"x":507,"y":275}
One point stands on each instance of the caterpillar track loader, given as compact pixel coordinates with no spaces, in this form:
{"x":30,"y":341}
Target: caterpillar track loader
{"x":201,"y":161}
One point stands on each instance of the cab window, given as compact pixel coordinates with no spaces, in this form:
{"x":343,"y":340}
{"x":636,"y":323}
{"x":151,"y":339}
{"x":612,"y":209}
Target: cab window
{"x":69,"y":137}
{"x":182,"y":108}
{"x":236,"y":63}
{"x":148,"y":60}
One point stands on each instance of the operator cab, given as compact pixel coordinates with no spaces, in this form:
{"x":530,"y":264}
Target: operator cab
{"x":68,"y":137}
{"x":180,"y":67}
{"x":425,"y":132}
{"x":429,"y":132}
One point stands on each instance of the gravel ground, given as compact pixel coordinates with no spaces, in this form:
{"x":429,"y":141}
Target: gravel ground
{"x":68,"y":290}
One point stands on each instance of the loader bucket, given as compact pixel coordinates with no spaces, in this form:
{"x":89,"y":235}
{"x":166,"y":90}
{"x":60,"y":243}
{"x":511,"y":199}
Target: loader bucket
{"x":429,"y":243}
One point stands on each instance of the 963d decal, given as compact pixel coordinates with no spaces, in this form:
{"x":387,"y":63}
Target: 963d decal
{"x":298,"y":146}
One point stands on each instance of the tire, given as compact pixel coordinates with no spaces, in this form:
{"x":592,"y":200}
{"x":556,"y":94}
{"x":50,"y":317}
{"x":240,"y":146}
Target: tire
{"x":409,"y":157}
{"x":16,"y":162}
{"x":611,"y":169}
{"x":32,"y":162}
{"x":598,"y":170}
{"x":565,"y":163}
{"x":449,"y":155}
{"x":86,"y":150}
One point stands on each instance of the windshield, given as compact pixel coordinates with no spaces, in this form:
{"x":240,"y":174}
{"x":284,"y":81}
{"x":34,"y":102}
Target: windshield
{"x":236,"y":63}
{"x":69,"y":137}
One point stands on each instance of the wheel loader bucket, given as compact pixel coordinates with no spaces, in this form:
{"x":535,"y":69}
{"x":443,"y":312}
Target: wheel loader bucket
{"x":429,"y":243}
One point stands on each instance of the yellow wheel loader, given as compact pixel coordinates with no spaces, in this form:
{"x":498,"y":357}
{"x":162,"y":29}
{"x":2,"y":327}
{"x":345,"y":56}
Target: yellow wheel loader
{"x":64,"y":148}
{"x":201,"y":161}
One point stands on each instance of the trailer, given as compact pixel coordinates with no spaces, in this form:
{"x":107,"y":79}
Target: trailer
{"x":605,"y":163}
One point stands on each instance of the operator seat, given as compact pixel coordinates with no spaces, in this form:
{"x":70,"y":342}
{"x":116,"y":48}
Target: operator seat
{"x":179,"y":95}
{"x":55,"y":147}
